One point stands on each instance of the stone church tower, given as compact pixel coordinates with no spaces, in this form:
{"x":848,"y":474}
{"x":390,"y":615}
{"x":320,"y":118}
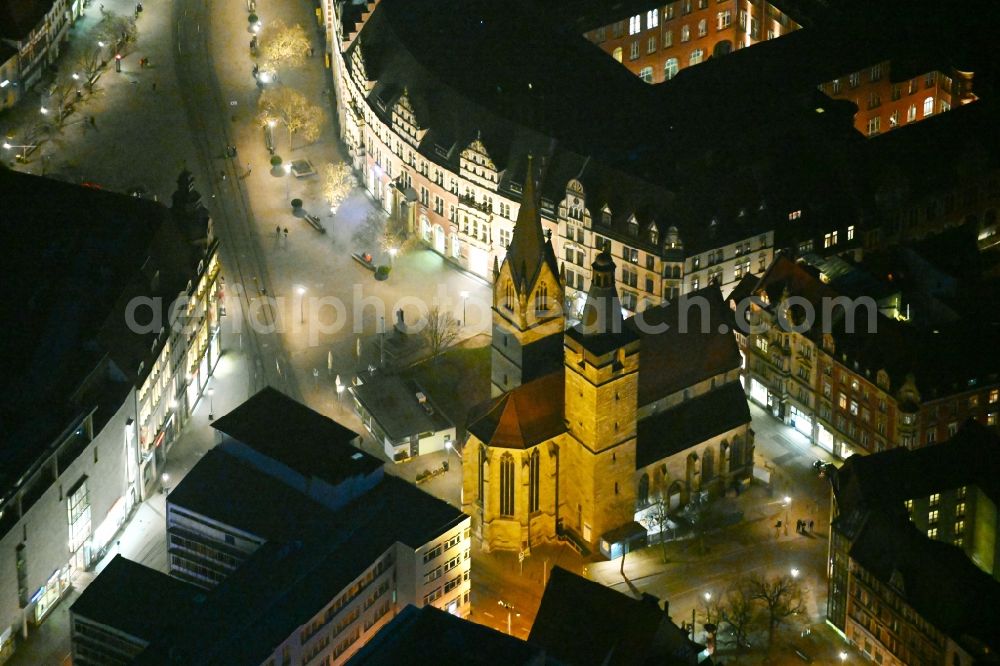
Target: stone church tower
{"x":601,"y":399}
{"x":527,"y":301}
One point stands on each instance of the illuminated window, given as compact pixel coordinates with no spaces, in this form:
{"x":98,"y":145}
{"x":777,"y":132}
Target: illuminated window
{"x":702,"y":28}
{"x":634,"y":24}
{"x":960,"y":493}
{"x":854,"y":79}
{"x":762,"y":344}
{"x":959,"y":541}
{"x":850,"y":233}
{"x":685,"y":33}
{"x":935,"y":499}
{"x":670,"y":69}
{"x":932,"y":516}
{"x":795,"y":214}
{"x":854,"y":407}
{"x":507,"y":485}
{"x":646,"y":74}
{"x":909,"y":506}
{"x":652,"y":18}
{"x":994,"y":396}
{"x":617,"y":54}
{"x":928,"y":106}
{"x":842,"y":401}
{"x":932,"y":533}
{"x":911,"y":113}
{"x":830,"y":239}
{"x":696,"y":56}
{"x":973,"y":401}
{"x":960,"y":510}
{"x":959,"y":526}
{"x":855,"y":384}
{"x":724,"y":19}
{"x":651,"y":44}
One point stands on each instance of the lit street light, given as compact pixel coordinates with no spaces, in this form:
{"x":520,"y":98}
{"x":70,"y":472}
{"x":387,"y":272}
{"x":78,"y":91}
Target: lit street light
{"x":44,"y":110}
{"x":795,"y":573}
{"x":465,"y":297}
{"x":288,"y":173}
{"x":788,"y":504}
{"x":211,"y":403}
{"x":843,"y":656}
{"x":24,"y":149}
{"x":301,"y":291}
{"x":510,"y":609}
{"x":708,"y":596}
{"x":392,"y":255}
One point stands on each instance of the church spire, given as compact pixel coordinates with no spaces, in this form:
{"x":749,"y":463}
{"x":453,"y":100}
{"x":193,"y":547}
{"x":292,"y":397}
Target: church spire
{"x":526,"y":252}
{"x":602,"y":312}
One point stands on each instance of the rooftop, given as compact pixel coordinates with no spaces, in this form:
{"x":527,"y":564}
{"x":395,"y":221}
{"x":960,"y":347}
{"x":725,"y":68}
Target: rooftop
{"x":393,"y":403}
{"x":120,"y":597}
{"x":581,"y":622}
{"x":691,"y":422}
{"x":524,"y":416}
{"x":684,"y":342}
{"x":290,"y":433}
{"x":415,"y":634}
{"x":231,"y":491}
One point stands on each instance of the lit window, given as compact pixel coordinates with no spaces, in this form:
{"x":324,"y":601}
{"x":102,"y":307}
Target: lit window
{"x":670,"y":69}
{"x":935,"y":499}
{"x":652,"y":18}
{"x":928,"y":106}
{"x":932,"y":533}
{"x":646,"y":74}
{"x":634,"y":24}
{"x":959,"y":541}
{"x":854,"y":407}
{"x":702,"y":28}
{"x":959,"y":526}
{"x":795,"y":214}
{"x":960,"y":510}
{"x":762,"y":344}
{"x":994,"y":396}
{"x":842,"y":401}
{"x":909,"y":506}
{"x":850,"y":233}
{"x":724,"y":19}
{"x":634,"y":51}
{"x":696,"y":56}
{"x":911,"y":113}
{"x":932,"y":516}
{"x":874,"y":126}
{"x":961,"y":492}
{"x":617,"y":54}
{"x":685,"y":33}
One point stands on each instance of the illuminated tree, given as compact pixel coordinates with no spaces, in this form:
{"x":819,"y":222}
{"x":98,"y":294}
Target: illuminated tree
{"x":291,"y":108}
{"x":441,"y":331}
{"x":283,"y":46}
{"x":116,"y":29}
{"x":338,"y":181}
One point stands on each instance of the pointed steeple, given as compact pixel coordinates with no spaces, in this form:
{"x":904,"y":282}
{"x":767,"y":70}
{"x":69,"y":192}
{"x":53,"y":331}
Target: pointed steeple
{"x":527,"y":244}
{"x":602,"y":312}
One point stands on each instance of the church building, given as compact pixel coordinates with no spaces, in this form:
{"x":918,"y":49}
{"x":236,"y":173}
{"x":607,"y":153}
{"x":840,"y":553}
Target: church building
{"x":589,"y":426}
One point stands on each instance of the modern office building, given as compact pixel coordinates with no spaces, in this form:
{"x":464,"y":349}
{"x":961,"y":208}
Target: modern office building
{"x":302,"y":546}
{"x":77,"y":373}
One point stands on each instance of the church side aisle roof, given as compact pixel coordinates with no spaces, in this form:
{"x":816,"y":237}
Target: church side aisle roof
{"x":689,"y":423}
{"x":523,"y":417}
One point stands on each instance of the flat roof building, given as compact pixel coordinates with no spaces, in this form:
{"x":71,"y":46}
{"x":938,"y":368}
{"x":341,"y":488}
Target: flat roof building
{"x":402,"y":417}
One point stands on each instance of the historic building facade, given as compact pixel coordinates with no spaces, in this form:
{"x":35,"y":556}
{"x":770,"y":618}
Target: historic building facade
{"x":655,"y":44}
{"x":582,"y":449}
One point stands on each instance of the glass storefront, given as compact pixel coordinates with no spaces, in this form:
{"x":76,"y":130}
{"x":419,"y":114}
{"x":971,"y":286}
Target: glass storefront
{"x":758,"y":392}
{"x":48,"y":595}
{"x":801,"y":422}
{"x":825,"y":439}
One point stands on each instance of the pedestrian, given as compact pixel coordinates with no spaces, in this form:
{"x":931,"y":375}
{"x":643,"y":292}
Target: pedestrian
{"x":154,"y":86}
{"x":277,"y":232}
{"x":286,"y":234}
{"x":249,"y":168}
{"x":93,"y":121}
{"x":311,"y":51}
{"x":810,"y":526}
{"x":222,"y":175}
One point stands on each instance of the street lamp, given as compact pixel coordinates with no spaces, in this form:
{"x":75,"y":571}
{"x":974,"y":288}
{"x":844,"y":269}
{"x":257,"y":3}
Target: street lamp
{"x":288,"y":173}
{"x":44,"y":110}
{"x":101,"y":43}
{"x":795,"y":573}
{"x":24,"y":154}
{"x":788,"y":505}
{"x":211,"y":403}
{"x":392,"y":254}
{"x":510,"y":609}
{"x":465,"y":297}
{"x":301,"y":291}
{"x":708,"y":596}
{"x":843,"y":656}
{"x":76,"y":77}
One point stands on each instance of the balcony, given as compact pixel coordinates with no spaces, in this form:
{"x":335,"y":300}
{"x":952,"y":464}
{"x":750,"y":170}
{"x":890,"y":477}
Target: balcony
{"x":471,"y":202}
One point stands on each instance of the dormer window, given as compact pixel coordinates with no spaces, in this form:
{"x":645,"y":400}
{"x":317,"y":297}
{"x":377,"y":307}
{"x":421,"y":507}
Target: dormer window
{"x":606,"y":216}
{"x":633,"y":227}
{"x":654,"y":235}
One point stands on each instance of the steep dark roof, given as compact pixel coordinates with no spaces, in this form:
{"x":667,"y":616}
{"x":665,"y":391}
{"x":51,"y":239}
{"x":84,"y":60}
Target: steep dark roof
{"x":524,"y":416}
{"x":120,"y":597}
{"x":304,"y":440}
{"x":427,"y":635}
{"x":684,"y":342}
{"x":691,"y":422}
{"x":581,"y":622}
{"x":888,"y":478}
{"x":935,"y":578}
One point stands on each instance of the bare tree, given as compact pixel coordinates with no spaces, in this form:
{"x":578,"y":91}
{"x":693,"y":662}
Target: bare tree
{"x":736,"y":612}
{"x":659,"y":515}
{"x":781,"y":598}
{"x":116,"y":29}
{"x":283,"y":45}
{"x":292,"y":109}
{"x":338,"y":181}
{"x":441,"y":331}
{"x":86,"y":62}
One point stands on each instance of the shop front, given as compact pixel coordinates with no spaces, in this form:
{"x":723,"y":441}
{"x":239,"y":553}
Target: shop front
{"x":758,"y":393}
{"x":801,"y":421}
{"x":47,"y":596}
{"x":825,"y":439}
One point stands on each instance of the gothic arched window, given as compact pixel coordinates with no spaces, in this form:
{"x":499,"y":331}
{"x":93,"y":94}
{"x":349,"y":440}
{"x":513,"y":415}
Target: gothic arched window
{"x":507,"y":485}
{"x":482,"y":473}
{"x":508,"y":295}
{"x":644,"y":490}
{"x":542,"y":298}
{"x":533,"y":476}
